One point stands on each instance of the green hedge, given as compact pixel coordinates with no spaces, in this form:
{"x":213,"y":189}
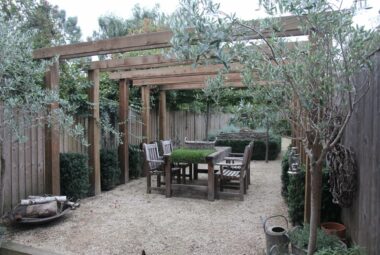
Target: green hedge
{"x":285,"y":175}
{"x":109,"y":168}
{"x":135,"y":161}
{"x":296,"y":196}
{"x":259,"y":147}
{"x":75,"y":175}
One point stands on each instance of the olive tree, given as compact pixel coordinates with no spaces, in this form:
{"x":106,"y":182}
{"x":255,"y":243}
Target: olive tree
{"x":24,"y":102}
{"x":311,"y":84}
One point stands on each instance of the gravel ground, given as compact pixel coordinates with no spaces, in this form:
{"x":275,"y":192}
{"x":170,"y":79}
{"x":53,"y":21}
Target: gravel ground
{"x":126,"y":220}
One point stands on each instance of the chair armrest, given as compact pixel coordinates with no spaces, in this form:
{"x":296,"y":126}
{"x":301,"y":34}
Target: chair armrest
{"x":233,"y":158}
{"x":236,"y":154}
{"x":156,"y":161}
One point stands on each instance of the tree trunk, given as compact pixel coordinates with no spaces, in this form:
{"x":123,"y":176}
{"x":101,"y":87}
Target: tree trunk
{"x":2,"y":176}
{"x":267,"y":145}
{"x":315,"y":208}
{"x":207,"y":118}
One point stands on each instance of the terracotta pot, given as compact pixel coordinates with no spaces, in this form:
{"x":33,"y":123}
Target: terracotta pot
{"x":334,"y":228}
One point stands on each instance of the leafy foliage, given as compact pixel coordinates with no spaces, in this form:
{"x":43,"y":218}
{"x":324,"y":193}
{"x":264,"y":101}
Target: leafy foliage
{"x":259,"y":147}
{"x":300,"y":237}
{"x":285,"y":175}
{"x":75,"y":175}
{"x":296,"y":199}
{"x":190,"y":155}
{"x":109,"y":168}
{"x":356,"y":250}
{"x":135,"y":161}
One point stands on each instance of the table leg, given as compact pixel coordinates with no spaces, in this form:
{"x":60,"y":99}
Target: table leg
{"x":168,"y":181}
{"x":211,"y":182}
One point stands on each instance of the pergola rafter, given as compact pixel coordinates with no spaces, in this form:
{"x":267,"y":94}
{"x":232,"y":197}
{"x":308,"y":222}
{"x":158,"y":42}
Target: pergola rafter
{"x":143,"y":78}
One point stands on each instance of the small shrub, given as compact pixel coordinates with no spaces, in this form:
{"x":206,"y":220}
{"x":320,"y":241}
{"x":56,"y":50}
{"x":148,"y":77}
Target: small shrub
{"x":109,"y":168}
{"x":285,"y":175}
{"x":356,"y":250}
{"x":259,"y":147}
{"x":135,"y":161}
{"x":296,"y":199}
{"x":74,"y":175}
{"x":300,"y":237}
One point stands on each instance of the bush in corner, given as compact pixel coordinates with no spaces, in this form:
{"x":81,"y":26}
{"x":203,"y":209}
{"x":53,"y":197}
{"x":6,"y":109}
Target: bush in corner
{"x":109,"y":168}
{"x":259,"y":147}
{"x":74,"y":175}
{"x":135,"y":161}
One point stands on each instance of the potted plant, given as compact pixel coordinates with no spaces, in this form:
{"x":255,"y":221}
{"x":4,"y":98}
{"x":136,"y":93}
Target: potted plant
{"x":299,"y":238}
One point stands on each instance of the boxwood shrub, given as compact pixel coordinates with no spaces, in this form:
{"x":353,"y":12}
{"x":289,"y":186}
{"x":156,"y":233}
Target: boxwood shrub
{"x":295,"y":197}
{"x":259,"y":148}
{"x":75,"y":175}
{"x":109,"y":168}
{"x":135,"y":161}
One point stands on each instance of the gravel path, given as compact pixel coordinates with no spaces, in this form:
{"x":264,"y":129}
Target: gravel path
{"x":126,"y":220}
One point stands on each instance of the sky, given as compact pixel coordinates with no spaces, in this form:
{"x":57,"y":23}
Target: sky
{"x":88,"y":11}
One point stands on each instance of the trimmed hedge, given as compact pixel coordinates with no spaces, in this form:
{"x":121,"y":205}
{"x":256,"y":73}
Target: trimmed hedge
{"x":109,"y":168}
{"x":75,"y":175}
{"x":296,"y":198}
{"x":259,"y":147}
{"x":135,"y":161}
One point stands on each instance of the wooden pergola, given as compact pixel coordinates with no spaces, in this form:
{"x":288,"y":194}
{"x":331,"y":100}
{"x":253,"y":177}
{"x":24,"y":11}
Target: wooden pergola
{"x":145,"y":72}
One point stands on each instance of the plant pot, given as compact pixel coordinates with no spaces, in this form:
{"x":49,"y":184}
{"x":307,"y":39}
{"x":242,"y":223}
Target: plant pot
{"x":334,"y":228}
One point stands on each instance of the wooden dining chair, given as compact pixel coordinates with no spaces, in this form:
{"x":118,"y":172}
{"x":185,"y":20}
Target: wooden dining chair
{"x":232,"y":157}
{"x":233,"y":171}
{"x":154,"y":165}
{"x":167,"y":147}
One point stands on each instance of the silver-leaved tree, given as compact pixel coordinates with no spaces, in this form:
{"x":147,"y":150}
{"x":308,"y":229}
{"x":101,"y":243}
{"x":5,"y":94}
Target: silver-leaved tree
{"x":23,"y":100}
{"x":311,"y":83}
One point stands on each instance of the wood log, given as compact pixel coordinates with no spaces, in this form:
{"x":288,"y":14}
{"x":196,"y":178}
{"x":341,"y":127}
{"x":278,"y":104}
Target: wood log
{"x":42,"y":210}
{"x":42,"y":200}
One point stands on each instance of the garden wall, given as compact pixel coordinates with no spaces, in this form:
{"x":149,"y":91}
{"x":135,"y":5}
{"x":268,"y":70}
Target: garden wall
{"x":363,"y":137}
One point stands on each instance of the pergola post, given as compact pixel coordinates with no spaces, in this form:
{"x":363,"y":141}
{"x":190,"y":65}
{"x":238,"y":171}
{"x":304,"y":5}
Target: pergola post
{"x":52,"y":169}
{"x":123,"y":128}
{"x":162,"y":116}
{"x":94,"y":132}
{"x":145,"y":97}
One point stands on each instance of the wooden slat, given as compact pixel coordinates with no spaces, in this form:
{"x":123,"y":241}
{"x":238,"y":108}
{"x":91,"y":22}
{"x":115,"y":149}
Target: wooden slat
{"x":94,"y":132}
{"x":123,"y":128}
{"x":197,"y":85}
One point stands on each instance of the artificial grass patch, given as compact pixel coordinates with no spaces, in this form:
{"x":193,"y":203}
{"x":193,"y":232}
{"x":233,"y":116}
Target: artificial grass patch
{"x":190,"y":155}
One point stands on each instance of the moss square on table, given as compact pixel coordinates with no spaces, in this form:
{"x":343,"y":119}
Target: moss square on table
{"x":191,"y":155}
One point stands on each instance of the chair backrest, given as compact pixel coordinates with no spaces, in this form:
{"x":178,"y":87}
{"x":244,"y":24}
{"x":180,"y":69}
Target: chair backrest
{"x":167,"y":146}
{"x":151,"y":153}
{"x":246,"y":159}
{"x":251,"y":145}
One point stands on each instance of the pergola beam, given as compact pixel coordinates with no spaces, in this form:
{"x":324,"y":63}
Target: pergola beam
{"x":183,"y":79}
{"x":129,"y":63}
{"x":199,"y":85}
{"x":177,"y":71}
{"x":290,"y":27}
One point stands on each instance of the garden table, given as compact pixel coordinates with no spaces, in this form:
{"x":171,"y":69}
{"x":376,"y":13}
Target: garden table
{"x":210,"y":160}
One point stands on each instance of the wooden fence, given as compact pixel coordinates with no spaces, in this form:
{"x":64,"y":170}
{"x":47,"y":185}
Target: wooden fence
{"x":363,"y":137}
{"x":25,"y":162}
